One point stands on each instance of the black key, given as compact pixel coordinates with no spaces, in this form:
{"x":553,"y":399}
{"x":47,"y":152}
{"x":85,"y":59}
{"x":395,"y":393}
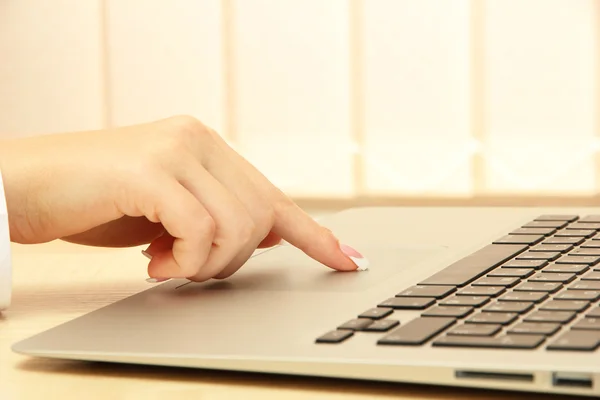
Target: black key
{"x":448,"y":311}
{"x":550,"y":316}
{"x":591,"y":244}
{"x":532,"y":297}
{"x":592,"y":324}
{"x":475,"y":265}
{"x":335,"y":336}
{"x":583,"y":233}
{"x":357,"y":324}
{"x":536,"y":264}
{"x":552,"y":248}
{"x":520,"y":239}
{"x":593,"y":313}
{"x":417,"y":331}
{"x":546,"y":224}
{"x":506,"y":342}
{"x":509,"y":307}
{"x":512,"y":272}
{"x":552,"y":277}
{"x":566,"y":268}
{"x":535,"y":328}
{"x":376,"y":313}
{"x":492,"y":318}
{"x":533,"y":231}
{"x":568,"y":218}
{"x":576,"y":340}
{"x":589,"y":260}
{"x":565,"y":305}
{"x":538,"y":255}
{"x":498,"y":281}
{"x":585,"y":226}
{"x":585,"y":285}
{"x":591,"y":295}
{"x":475,"y":330}
{"x":383,"y":325}
{"x":437,"y":292}
{"x":590,"y":218}
{"x":473,"y":301}
{"x":549,"y":287}
{"x":563,"y":240}
{"x":407,"y":303}
{"x":586,"y":252}
{"x":591,"y":276}
{"x":481,"y":291}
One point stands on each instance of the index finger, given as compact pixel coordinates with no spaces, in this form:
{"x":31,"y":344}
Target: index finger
{"x":302,"y":231}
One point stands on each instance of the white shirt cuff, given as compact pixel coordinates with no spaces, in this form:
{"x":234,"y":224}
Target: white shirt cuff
{"x":5,"y":255}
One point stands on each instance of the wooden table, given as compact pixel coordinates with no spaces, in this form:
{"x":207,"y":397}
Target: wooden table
{"x":56,"y":282}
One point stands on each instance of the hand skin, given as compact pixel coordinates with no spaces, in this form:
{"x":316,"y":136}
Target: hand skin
{"x":173,"y":183}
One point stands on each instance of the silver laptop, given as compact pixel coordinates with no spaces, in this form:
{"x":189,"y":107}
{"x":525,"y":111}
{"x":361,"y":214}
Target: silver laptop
{"x":502,"y":298}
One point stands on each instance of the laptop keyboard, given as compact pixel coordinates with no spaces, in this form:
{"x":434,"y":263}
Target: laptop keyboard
{"x":537,"y":287}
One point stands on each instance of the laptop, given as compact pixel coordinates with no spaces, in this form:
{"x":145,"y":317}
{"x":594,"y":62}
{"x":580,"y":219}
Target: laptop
{"x":498,"y":298}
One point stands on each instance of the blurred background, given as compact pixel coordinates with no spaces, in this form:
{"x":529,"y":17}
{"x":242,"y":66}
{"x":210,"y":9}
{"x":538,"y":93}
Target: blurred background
{"x":339,"y":102}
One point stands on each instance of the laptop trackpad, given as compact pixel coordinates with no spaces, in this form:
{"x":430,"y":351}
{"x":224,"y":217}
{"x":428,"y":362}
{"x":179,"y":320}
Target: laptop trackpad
{"x":287,"y":269}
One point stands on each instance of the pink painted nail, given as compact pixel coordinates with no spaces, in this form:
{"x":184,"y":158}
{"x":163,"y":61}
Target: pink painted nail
{"x":362,"y":264}
{"x":156,"y":280}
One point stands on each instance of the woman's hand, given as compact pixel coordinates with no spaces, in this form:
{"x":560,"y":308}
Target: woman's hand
{"x":173,"y":183}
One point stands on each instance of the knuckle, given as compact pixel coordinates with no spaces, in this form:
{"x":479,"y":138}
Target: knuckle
{"x":205,"y":228}
{"x":246,"y":230}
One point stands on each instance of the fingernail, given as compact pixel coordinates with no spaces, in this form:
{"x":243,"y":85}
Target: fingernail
{"x":144,"y":252}
{"x":362,"y":264}
{"x":156,"y":280}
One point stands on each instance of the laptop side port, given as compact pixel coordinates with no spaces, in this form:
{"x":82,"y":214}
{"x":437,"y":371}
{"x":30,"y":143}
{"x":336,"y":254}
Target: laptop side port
{"x":572,"y":379}
{"x":498,"y":376}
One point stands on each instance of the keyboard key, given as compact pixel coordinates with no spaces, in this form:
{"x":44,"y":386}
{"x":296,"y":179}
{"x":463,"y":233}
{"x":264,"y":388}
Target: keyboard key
{"x":588,"y":324}
{"x":408,"y":303}
{"x":576,"y":340}
{"x":417,"y":331}
{"x":533,"y":231}
{"x":481,"y":291}
{"x":492,"y":318}
{"x":591,"y":295}
{"x":562,"y":217}
{"x":565,"y":305}
{"x":566,"y":268}
{"x":538,"y":255}
{"x":506,"y":342}
{"x":473,"y":301}
{"x":437,"y":292}
{"x":591,"y":244}
{"x":448,"y":311}
{"x":593,"y":313}
{"x":532,"y":297}
{"x":383,"y":325}
{"x":546,"y":224}
{"x":575,"y":233}
{"x":335,"y":336}
{"x":589,"y":260}
{"x":498,"y":281}
{"x":549,"y":287}
{"x":584,"y":226}
{"x":475,"y":330}
{"x":535,"y":328}
{"x":512,"y":272}
{"x":357,"y":324}
{"x":585,"y":285}
{"x":550,"y":316}
{"x":591,"y":276}
{"x":520,"y":239}
{"x":586,"y":252}
{"x":536,"y":264}
{"x":590,"y":218}
{"x":564,"y":240}
{"x":552,"y":277}
{"x":509,"y":307}
{"x":552,"y":248}
{"x":376,"y":313}
{"x":475,"y":265}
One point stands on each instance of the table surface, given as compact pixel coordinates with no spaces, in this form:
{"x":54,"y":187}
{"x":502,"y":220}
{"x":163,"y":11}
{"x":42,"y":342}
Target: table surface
{"x":58,"y":281}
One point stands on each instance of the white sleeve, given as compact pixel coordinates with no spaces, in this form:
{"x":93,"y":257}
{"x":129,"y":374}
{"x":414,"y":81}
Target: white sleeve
{"x":5,"y":256}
